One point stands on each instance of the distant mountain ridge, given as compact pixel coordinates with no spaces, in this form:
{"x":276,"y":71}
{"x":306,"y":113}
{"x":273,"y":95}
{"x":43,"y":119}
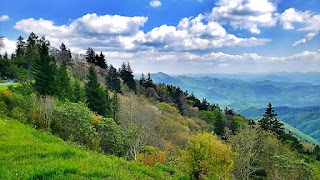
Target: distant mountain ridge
{"x":241,"y":94}
{"x":292,"y":77}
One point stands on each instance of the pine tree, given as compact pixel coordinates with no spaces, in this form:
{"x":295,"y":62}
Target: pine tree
{"x":78,"y":92}
{"x":92,"y":89}
{"x":20,"y":46}
{"x":62,"y":84}
{"x":64,"y":56}
{"x":115,"y":107}
{"x":103,"y":102}
{"x":90,"y":55}
{"x":219,"y":124}
{"x":126,"y":75}
{"x":44,"y":70}
{"x":270,"y":122}
{"x":112,"y":80}
{"x":142,"y":81}
{"x":101,"y":61}
{"x":97,"y":95}
{"x":32,"y":53}
{"x":149,"y":82}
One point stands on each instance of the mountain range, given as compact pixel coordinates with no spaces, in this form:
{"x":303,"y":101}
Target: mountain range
{"x":295,"y":96}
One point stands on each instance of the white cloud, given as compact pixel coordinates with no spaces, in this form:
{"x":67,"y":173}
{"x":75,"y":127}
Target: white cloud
{"x":196,"y":34}
{"x":9,"y":46}
{"x":89,"y":24}
{"x":4,"y":18}
{"x":110,"y":33}
{"x":290,"y":16}
{"x":245,"y":14}
{"x":155,"y":3}
{"x":308,"y":37}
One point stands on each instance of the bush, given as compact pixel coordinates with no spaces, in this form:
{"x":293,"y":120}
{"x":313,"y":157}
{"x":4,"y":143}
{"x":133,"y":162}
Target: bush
{"x":151,"y":155}
{"x":109,"y":135}
{"x":72,"y":121}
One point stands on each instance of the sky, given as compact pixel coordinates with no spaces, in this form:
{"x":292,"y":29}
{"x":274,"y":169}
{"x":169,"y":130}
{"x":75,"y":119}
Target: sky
{"x":176,"y":36}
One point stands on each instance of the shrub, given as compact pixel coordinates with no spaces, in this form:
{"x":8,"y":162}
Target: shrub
{"x":72,"y":121}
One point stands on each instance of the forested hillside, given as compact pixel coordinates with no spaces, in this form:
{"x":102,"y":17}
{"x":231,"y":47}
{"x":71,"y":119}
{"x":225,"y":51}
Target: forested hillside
{"x":122,"y":122}
{"x":239,"y":94}
{"x":306,"y":119}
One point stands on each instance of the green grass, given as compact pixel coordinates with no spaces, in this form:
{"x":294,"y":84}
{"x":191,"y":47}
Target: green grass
{"x":26,"y":153}
{"x":4,"y":86}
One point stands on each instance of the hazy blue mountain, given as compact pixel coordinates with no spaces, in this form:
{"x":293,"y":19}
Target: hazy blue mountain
{"x":306,"y":119}
{"x":241,"y":94}
{"x":293,"y":77}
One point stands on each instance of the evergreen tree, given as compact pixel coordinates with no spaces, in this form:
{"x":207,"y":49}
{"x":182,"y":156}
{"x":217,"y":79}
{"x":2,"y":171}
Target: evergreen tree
{"x":62,"y":84}
{"x":270,"y":122}
{"x":32,"y":53}
{"x":149,"y":82}
{"x":20,"y":46}
{"x":101,"y":61}
{"x":142,"y":81}
{"x":44,"y":70}
{"x":126,"y":75}
{"x":112,"y":80}
{"x":219,"y":124}
{"x":92,"y":89}
{"x":90,"y":55}
{"x":78,"y":92}
{"x":64,"y":56}
{"x":97,"y":95}
{"x":115,"y":107}
{"x":103,"y":103}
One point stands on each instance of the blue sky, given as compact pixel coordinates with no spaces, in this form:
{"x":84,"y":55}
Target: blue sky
{"x":177,"y":36}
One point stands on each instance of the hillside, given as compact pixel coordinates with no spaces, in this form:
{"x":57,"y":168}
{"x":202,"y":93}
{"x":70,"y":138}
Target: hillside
{"x":27,"y":153}
{"x":306,"y":119}
{"x":239,"y":94}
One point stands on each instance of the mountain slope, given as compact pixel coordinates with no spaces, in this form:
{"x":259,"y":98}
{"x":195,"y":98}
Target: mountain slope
{"x":26,"y":153}
{"x":306,"y":119}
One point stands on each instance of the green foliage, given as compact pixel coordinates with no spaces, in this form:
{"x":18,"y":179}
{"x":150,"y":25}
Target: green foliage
{"x":44,"y":70}
{"x":97,"y":95}
{"x":113,"y":80}
{"x":72,"y":121}
{"x":270,"y":122}
{"x":207,"y":156}
{"x":126,"y":75}
{"x":114,"y":106}
{"x":79,"y":94}
{"x":62,"y":84}
{"x":44,"y":156}
{"x":111,"y":138}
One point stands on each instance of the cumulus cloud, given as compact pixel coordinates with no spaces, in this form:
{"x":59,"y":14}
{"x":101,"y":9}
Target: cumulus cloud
{"x":306,"y":20}
{"x":155,"y":3}
{"x":308,"y":37}
{"x":4,"y":18}
{"x":9,"y":46}
{"x":290,"y":16}
{"x":89,"y":24}
{"x":196,"y":34}
{"x":121,"y":33}
{"x":245,"y":14}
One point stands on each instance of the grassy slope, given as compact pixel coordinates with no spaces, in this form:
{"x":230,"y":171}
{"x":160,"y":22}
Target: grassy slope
{"x":26,"y":153}
{"x":4,"y":86}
